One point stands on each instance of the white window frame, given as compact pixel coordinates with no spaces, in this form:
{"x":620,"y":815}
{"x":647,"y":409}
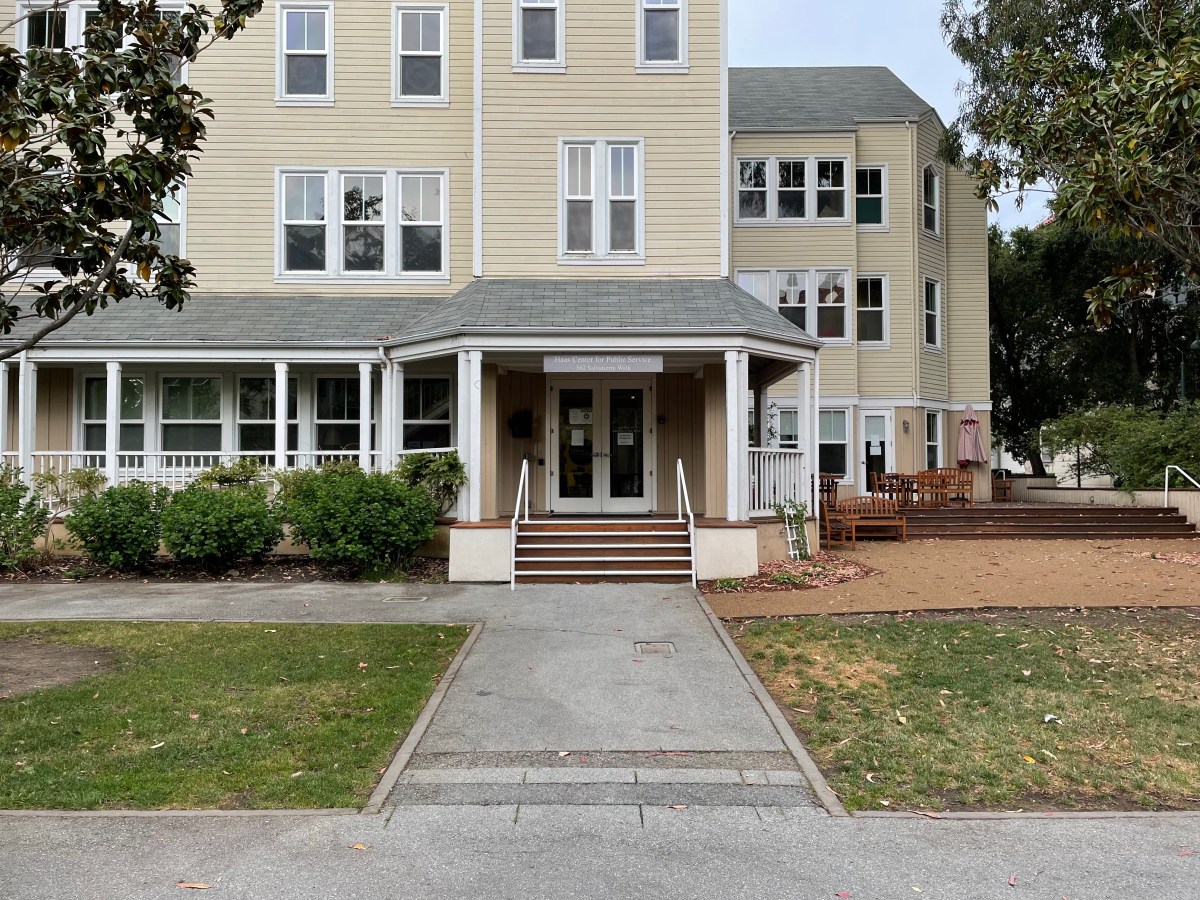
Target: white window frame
{"x":663,"y":67}
{"x":181,"y":198}
{"x":239,"y":420}
{"x":163,"y":421}
{"x":934,"y":416}
{"x":936,"y":346}
{"x":447,"y":422}
{"x":442,"y":10}
{"x":886,"y":210}
{"x":848,"y":476}
{"x":334,"y":212}
{"x":885,"y":312}
{"x":811,"y":219}
{"x":352,"y":389}
{"x":73,"y":22}
{"x":83,"y":421}
{"x":788,"y":411}
{"x":600,"y":198}
{"x":811,"y":306}
{"x":558,"y":65}
{"x":936,"y":205}
{"x":281,"y":97}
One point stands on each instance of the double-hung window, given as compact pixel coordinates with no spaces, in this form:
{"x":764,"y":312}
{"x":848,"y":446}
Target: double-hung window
{"x":170,"y":221}
{"x":132,"y":435}
{"x":871,"y":300}
{"x":870,"y":197}
{"x":933,"y":314}
{"x":612,"y":229}
{"x":389,"y":225}
{"x":933,"y":439}
{"x":538,"y":34}
{"x":789,"y":428}
{"x":256,"y":414}
{"x":337,"y":413}
{"x":421,"y":57}
{"x":305,"y":67}
{"x":793,"y":190}
{"x":45,"y":29}
{"x":662,"y":34}
{"x":931,"y":192}
{"x":808,"y":298}
{"x":426,"y":413}
{"x":834,"y":453}
{"x":191,"y":415}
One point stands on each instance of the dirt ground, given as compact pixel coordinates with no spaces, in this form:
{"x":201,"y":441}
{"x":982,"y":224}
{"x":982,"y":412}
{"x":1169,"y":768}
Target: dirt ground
{"x":28,"y":666}
{"x":933,"y":575}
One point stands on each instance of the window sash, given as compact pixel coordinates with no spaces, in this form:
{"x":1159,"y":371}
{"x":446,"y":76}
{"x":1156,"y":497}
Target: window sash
{"x":661,"y":10}
{"x":405,"y":16}
{"x":933,"y":440}
{"x":871,"y":192}
{"x":822,"y":204}
{"x":527,"y":10}
{"x":757,"y":283}
{"x":191,"y":381}
{"x":931,"y":198}
{"x":601,"y":209}
{"x":833,"y":434}
{"x":288,"y":52}
{"x":933,"y":314}
{"x":871,"y":303}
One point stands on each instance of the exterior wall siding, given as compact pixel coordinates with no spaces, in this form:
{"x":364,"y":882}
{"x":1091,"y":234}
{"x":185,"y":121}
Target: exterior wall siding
{"x":931,"y":254}
{"x":967,"y":313}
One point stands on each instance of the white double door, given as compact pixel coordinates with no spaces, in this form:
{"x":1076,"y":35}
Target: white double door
{"x":601,"y":446}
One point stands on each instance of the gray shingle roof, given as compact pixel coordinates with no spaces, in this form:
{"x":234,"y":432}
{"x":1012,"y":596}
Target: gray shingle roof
{"x":574,"y":304}
{"x":583,"y":303}
{"x":806,"y":98}
{"x":270,"y":319}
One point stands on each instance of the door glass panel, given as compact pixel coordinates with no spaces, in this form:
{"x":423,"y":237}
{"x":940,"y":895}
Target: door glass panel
{"x":626,"y":413}
{"x":875,"y":449}
{"x":576,"y":435}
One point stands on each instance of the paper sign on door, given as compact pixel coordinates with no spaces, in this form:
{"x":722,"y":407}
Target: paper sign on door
{"x":577,"y":437}
{"x":877,"y":449}
{"x":625,"y":439}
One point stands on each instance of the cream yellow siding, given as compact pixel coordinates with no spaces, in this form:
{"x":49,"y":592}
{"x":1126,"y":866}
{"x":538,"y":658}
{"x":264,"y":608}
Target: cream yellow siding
{"x":931,"y":259}
{"x":680,"y":434}
{"x":520,"y":392}
{"x":54,"y":403}
{"x":967,"y":310}
{"x":715,"y":472}
{"x":526,"y":115}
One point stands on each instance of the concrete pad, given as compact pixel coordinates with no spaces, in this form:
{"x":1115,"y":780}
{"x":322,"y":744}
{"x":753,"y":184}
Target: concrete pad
{"x":580,"y":776}
{"x":786,"y":779}
{"x":689,"y":776}
{"x":464,"y":776}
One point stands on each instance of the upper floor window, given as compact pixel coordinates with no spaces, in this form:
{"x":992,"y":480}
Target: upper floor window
{"x":538,"y":33}
{"x":662,"y":33}
{"x":793,"y":190}
{"x":931,"y":192}
{"x":170,"y":221}
{"x":421,"y":64}
{"x":602,"y":213}
{"x":871,"y":300}
{"x":305,"y":53}
{"x":45,"y":28}
{"x":793,"y":291}
{"x":390,"y":224}
{"x":933,"y":314}
{"x":870,"y":199}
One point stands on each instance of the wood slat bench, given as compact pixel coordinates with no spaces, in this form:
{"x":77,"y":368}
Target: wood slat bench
{"x":869,"y":513}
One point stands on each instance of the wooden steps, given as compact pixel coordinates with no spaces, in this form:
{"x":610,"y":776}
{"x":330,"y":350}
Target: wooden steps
{"x":999,"y":522}
{"x":568,"y":551}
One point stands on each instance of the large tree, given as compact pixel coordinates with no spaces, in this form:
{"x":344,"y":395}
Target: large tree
{"x":95,"y":134}
{"x":1048,"y":359}
{"x":1101,"y":100}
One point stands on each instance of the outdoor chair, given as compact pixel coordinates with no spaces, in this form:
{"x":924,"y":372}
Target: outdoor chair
{"x":834,"y":522}
{"x":873,"y":514}
{"x":945,"y":487}
{"x":828,"y":487}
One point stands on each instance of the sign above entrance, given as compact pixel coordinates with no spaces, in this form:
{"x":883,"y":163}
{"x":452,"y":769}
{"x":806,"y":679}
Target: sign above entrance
{"x":603,"y":363}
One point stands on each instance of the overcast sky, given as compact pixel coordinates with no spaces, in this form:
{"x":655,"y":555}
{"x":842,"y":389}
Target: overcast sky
{"x":903,"y":35}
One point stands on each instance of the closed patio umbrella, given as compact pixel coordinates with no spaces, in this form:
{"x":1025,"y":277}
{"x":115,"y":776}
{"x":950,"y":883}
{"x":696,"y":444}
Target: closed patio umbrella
{"x":970,"y":444}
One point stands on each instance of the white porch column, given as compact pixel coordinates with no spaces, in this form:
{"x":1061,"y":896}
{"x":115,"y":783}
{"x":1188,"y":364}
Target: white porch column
{"x":281,"y":415}
{"x":3,"y":408}
{"x":804,"y":433}
{"x":815,"y":441}
{"x":386,"y":455}
{"x":397,"y":442}
{"x":112,"y":421}
{"x":26,"y":415}
{"x":737,"y":435}
{"x":364,"y":416}
{"x":470,"y":432}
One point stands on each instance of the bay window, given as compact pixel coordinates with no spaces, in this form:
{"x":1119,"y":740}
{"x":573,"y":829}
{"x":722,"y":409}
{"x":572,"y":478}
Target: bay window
{"x":933,"y":439}
{"x":793,"y":190}
{"x":931,"y":193}
{"x":792,"y":291}
{"x":933,"y":314}
{"x":870,"y":197}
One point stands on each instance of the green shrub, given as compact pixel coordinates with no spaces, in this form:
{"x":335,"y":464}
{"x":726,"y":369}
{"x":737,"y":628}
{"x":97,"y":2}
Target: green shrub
{"x":215,"y":528}
{"x":246,"y":470}
{"x":440,"y":475}
{"x":358,"y":521}
{"x":120,"y":528}
{"x":23,"y":521}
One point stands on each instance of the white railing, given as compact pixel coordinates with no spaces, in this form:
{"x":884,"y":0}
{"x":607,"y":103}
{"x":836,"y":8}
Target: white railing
{"x":522,"y":504}
{"x":1167,"y":483}
{"x":685,"y":509}
{"x":776,"y":476}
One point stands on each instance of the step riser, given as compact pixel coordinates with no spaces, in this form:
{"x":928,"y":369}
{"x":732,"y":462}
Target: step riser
{"x":603,"y":527}
{"x":681,"y":553}
{"x":585,"y":551}
{"x":600,"y":567}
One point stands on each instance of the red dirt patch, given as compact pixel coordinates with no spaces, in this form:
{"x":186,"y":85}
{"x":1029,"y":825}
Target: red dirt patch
{"x":29,"y":666}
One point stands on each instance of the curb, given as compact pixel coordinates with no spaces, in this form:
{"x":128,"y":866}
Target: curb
{"x":417,"y":732}
{"x":174,"y":813}
{"x":1004,"y":816}
{"x":821,"y":789}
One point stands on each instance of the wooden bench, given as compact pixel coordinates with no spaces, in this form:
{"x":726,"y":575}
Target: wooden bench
{"x":945,"y":487}
{"x":859,"y":513}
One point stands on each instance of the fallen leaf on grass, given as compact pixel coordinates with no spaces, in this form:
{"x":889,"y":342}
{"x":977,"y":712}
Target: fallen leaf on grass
{"x":1029,"y":759}
{"x":159,"y":744}
{"x":193,"y":716}
{"x":297,"y":774}
{"x":194,"y":885}
{"x":245,"y":731}
{"x":362,"y":666}
{"x":1027,"y":672}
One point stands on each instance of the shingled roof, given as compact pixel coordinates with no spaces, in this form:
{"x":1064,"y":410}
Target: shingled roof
{"x":569,"y":304}
{"x":769,"y":99}
{"x":583,"y":303}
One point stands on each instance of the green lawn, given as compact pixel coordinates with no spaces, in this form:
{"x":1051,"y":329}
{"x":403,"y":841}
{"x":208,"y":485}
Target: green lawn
{"x":225,"y":716}
{"x":949,"y":712}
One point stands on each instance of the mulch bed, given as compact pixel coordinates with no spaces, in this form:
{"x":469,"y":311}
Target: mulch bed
{"x":823,"y":570}
{"x":272,"y":570}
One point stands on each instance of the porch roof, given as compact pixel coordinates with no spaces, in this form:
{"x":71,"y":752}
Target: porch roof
{"x":583,"y":304}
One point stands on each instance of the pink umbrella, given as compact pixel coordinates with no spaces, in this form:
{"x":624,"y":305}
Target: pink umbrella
{"x":970,"y":444}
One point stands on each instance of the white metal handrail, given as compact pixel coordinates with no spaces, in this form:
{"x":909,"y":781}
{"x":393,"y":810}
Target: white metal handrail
{"x":685,"y":507}
{"x":1167,"y":483}
{"x":522,"y":500}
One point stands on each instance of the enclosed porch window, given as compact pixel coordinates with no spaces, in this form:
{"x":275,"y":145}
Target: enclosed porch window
{"x":337,"y":415}
{"x":191,"y":414}
{"x":426,"y":413}
{"x":95,"y":403}
{"x":256,"y":414}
